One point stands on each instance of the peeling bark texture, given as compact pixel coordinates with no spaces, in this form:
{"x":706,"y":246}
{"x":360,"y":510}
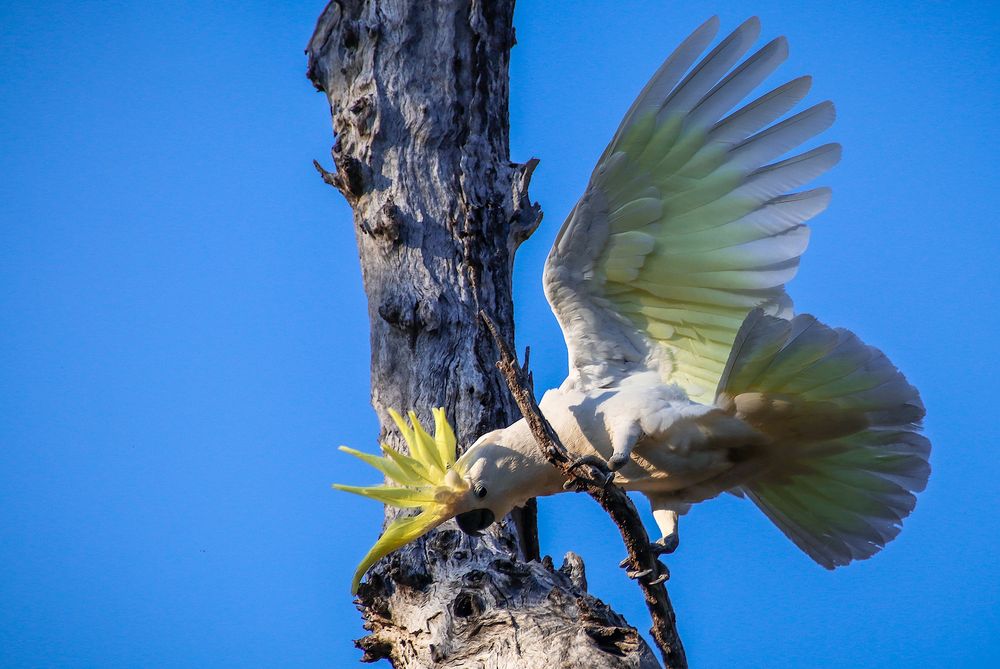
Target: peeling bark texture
{"x":418,"y":94}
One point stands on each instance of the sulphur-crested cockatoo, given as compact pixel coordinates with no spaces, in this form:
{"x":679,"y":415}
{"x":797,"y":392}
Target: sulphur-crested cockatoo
{"x":689,"y":373}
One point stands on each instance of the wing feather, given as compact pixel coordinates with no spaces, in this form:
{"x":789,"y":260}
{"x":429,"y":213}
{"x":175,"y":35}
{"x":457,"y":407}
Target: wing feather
{"x":687,"y":224}
{"x":713,"y":67}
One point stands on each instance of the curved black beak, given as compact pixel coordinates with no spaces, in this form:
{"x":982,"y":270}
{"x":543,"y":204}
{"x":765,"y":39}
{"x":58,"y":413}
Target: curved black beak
{"x":475,"y":521}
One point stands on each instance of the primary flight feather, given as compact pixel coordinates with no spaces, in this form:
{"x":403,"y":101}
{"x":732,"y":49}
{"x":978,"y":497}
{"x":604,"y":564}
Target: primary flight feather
{"x":689,"y":373}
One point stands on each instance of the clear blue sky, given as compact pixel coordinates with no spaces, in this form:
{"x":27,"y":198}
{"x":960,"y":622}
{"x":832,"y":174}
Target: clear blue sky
{"x":184,"y":338}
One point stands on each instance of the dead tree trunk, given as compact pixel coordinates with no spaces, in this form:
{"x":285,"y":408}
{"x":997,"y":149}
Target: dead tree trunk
{"x":418,"y":93}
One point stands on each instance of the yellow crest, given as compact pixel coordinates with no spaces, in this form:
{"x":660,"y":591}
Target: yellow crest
{"x":427,"y":478}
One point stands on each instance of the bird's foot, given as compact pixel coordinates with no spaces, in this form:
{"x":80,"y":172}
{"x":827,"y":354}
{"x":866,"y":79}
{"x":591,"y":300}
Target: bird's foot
{"x":659,"y":574}
{"x":662,"y":546}
{"x":639,"y":574}
{"x":617,"y":461}
{"x":665,"y":545}
{"x":664,"y":574}
{"x":604,"y":473}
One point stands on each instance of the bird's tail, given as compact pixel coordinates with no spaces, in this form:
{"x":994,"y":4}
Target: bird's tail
{"x":846,"y":455}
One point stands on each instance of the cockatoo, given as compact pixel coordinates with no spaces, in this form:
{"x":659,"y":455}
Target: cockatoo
{"x":689,"y":373}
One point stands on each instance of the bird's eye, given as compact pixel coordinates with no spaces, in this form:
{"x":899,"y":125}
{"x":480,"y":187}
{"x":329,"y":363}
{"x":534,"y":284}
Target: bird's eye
{"x":479,"y":490}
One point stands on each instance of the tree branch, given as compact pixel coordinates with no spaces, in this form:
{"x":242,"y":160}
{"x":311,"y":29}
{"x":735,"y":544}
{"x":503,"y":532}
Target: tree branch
{"x":643,"y":562}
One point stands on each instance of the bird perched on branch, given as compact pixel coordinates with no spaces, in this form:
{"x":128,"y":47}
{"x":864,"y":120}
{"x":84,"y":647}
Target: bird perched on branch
{"x":689,"y":373}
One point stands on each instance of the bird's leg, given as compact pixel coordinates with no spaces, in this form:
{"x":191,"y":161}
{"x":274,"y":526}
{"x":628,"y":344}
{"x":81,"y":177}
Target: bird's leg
{"x":623,"y":439}
{"x":624,"y":435}
{"x":666,"y":520}
{"x":665,"y":512}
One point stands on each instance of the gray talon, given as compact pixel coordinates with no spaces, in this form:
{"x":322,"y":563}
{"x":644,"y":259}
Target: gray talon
{"x":626,"y":562}
{"x":591,"y":460}
{"x":639,"y":574}
{"x":665,"y":545}
{"x":660,"y":579}
{"x":617,"y":461}
{"x":598,"y":464}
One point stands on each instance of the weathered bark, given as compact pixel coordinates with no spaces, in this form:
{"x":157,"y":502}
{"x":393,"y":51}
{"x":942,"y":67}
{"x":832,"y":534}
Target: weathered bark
{"x":418,"y":94}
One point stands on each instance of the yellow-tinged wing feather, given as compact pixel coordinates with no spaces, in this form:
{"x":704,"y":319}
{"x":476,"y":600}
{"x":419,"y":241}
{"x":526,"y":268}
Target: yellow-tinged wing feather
{"x":686,"y":224}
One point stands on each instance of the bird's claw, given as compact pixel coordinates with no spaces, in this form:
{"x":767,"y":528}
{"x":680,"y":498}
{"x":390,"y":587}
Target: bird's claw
{"x":592,"y":461}
{"x":639,"y":574}
{"x":661,"y":571}
{"x":595,"y":462}
{"x":617,"y":461}
{"x":664,"y":545}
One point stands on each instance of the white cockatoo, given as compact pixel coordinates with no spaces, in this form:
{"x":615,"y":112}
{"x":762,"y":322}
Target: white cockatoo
{"x":689,"y":373}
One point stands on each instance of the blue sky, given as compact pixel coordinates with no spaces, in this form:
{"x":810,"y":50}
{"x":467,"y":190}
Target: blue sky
{"x":184,"y":339}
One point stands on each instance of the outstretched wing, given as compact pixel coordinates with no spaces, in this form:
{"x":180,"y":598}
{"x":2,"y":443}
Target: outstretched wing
{"x":686,"y":224}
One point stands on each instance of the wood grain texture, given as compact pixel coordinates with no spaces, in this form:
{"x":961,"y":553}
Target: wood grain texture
{"x":418,"y":95}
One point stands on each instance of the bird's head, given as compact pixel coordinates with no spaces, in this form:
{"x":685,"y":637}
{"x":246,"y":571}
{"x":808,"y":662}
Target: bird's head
{"x":491,"y":478}
{"x":502,"y":473}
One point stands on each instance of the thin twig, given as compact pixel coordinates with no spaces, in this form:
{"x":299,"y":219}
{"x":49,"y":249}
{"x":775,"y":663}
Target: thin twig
{"x":643,"y":562}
